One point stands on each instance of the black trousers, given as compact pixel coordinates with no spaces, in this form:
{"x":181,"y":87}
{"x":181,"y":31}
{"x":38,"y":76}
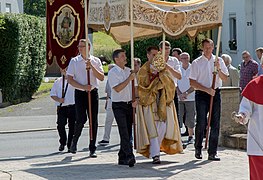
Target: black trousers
{"x":66,"y":115}
{"x":202,"y":101}
{"x":82,"y":110}
{"x":177,"y":107}
{"x":123,"y":115}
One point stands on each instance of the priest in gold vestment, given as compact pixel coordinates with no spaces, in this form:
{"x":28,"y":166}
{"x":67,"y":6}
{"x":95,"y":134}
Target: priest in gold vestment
{"x":157,"y":124}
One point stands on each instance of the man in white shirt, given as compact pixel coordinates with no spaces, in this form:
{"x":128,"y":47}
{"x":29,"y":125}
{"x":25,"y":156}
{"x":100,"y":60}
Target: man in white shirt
{"x":65,"y":109}
{"x":251,"y":110}
{"x":109,"y":113}
{"x":120,"y":78}
{"x":173,"y":66}
{"x":201,"y":77}
{"x":186,"y":96}
{"x":77,"y":77}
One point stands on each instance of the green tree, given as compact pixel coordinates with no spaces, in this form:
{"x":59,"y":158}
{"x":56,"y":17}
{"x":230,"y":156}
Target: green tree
{"x":35,"y":7}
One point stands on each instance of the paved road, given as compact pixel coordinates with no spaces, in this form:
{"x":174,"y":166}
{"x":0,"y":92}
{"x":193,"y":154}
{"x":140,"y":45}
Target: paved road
{"x":29,"y":142}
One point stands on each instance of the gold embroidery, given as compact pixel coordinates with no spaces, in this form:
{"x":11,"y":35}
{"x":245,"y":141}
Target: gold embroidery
{"x":63,"y":59}
{"x":107,"y":15}
{"x":51,"y":2}
{"x":49,"y":54}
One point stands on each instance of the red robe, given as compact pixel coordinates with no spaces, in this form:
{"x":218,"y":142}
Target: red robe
{"x":254,"y":90}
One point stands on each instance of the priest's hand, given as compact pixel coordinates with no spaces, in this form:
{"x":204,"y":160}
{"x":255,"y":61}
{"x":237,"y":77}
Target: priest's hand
{"x":241,"y":118}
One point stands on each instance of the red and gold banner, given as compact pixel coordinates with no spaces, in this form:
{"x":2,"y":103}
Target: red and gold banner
{"x":65,"y":26}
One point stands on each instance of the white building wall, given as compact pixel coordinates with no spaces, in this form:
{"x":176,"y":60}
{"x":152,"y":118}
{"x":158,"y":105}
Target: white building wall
{"x":16,"y":6}
{"x":236,"y":7}
{"x":249,"y":23}
{"x":259,"y":23}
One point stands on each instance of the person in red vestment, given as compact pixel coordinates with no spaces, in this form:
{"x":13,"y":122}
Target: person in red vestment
{"x":251,"y":112}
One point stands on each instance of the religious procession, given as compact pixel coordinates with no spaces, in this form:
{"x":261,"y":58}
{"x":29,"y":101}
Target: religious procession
{"x":166,"y":102}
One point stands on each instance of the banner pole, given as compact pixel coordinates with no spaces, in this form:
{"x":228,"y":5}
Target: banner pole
{"x":132,"y":67}
{"x":88,"y":69}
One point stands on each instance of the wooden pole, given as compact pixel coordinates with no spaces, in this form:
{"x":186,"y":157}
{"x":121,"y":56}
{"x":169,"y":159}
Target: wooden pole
{"x":163,"y":46}
{"x":132,"y":67}
{"x":213,"y":86}
{"x":88,"y":69}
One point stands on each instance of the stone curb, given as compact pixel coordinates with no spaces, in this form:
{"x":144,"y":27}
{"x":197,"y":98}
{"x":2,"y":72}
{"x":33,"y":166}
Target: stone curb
{"x":39,"y":129}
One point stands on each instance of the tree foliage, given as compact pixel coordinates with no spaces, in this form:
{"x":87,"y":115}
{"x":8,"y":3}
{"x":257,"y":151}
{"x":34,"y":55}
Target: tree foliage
{"x":22,"y":54}
{"x":35,"y":7}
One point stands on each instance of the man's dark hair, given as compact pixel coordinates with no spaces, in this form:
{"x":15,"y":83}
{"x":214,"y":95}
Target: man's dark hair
{"x":148,"y":50}
{"x":207,"y":40}
{"x":178,"y":50}
{"x":116,"y":53}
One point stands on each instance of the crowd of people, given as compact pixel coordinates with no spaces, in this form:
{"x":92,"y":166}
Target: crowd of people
{"x":169,"y":92}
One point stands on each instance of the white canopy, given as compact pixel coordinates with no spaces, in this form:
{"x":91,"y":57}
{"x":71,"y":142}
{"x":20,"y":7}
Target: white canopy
{"x":152,"y":17}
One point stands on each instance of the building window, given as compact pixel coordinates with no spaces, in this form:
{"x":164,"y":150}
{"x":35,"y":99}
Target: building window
{"x":8,"y":8}
{"x":233,"y":32}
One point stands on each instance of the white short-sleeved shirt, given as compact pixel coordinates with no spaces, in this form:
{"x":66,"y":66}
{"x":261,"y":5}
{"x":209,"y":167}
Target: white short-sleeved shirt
{"x":184,"y":83}
{"x":56,"y":90}
{"x":175,"y":64}
{"x":202,"y":71}
{"x":116,"y":76}
{"x":77,"y":69}
{"x":254,"y":113}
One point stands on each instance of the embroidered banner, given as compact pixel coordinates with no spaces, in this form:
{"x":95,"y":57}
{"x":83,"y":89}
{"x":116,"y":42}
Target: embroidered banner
{"x":65,"y":22}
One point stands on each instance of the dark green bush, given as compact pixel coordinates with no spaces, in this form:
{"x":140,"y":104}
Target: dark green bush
{"x":140,"y":46}
{"x":22,"y":55}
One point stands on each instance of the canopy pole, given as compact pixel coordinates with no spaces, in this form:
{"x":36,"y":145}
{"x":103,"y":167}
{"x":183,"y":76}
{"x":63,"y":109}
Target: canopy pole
{"x":88,"y":69}
{"x":163,"y":46}
{"x":132,"y":67}
{"x":213,"y":86}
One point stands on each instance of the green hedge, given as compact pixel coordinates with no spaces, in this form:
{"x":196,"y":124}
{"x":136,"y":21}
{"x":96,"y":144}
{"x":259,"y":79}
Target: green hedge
{"x":140,"y":46}
{"x":22,"y":55}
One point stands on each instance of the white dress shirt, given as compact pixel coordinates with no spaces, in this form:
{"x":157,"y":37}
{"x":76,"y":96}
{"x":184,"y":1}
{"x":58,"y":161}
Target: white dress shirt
{"x":184,"y":83}
{"x":116,"y":76}
{"x":77,"y":69}
{"x":202,"y":71}
{"x":56,"y":90}
{"x":175,"y":64}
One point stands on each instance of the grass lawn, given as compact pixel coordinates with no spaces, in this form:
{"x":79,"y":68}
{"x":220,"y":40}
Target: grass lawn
{"x":44,"y":87}
{"x":103,"y":41}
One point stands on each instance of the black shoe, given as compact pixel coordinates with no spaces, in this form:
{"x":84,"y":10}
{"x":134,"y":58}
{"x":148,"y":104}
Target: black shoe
{"x":61,"y":147}
{"x":68,"y":150}
{"x":103,"y":142}
{"x":73,"y":148}
{"x":184,"y":145}
{"x":198,"y":154}
{"x":156,"y":160}
{"x":213,"y":158}
{"x":93,"y":154}
{"x":190,"y":140}
{"x":185,"y":133}
{"x":131,"y":162}
{"x":122,"y":162}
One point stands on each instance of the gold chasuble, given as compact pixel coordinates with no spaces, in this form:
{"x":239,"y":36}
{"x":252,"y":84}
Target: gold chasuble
{"x":156,"y":93}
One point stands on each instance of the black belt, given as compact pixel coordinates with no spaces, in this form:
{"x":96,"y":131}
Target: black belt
{"x":71,"y":105}
{"x":122,"y":102}
{"x":198,"y":92}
